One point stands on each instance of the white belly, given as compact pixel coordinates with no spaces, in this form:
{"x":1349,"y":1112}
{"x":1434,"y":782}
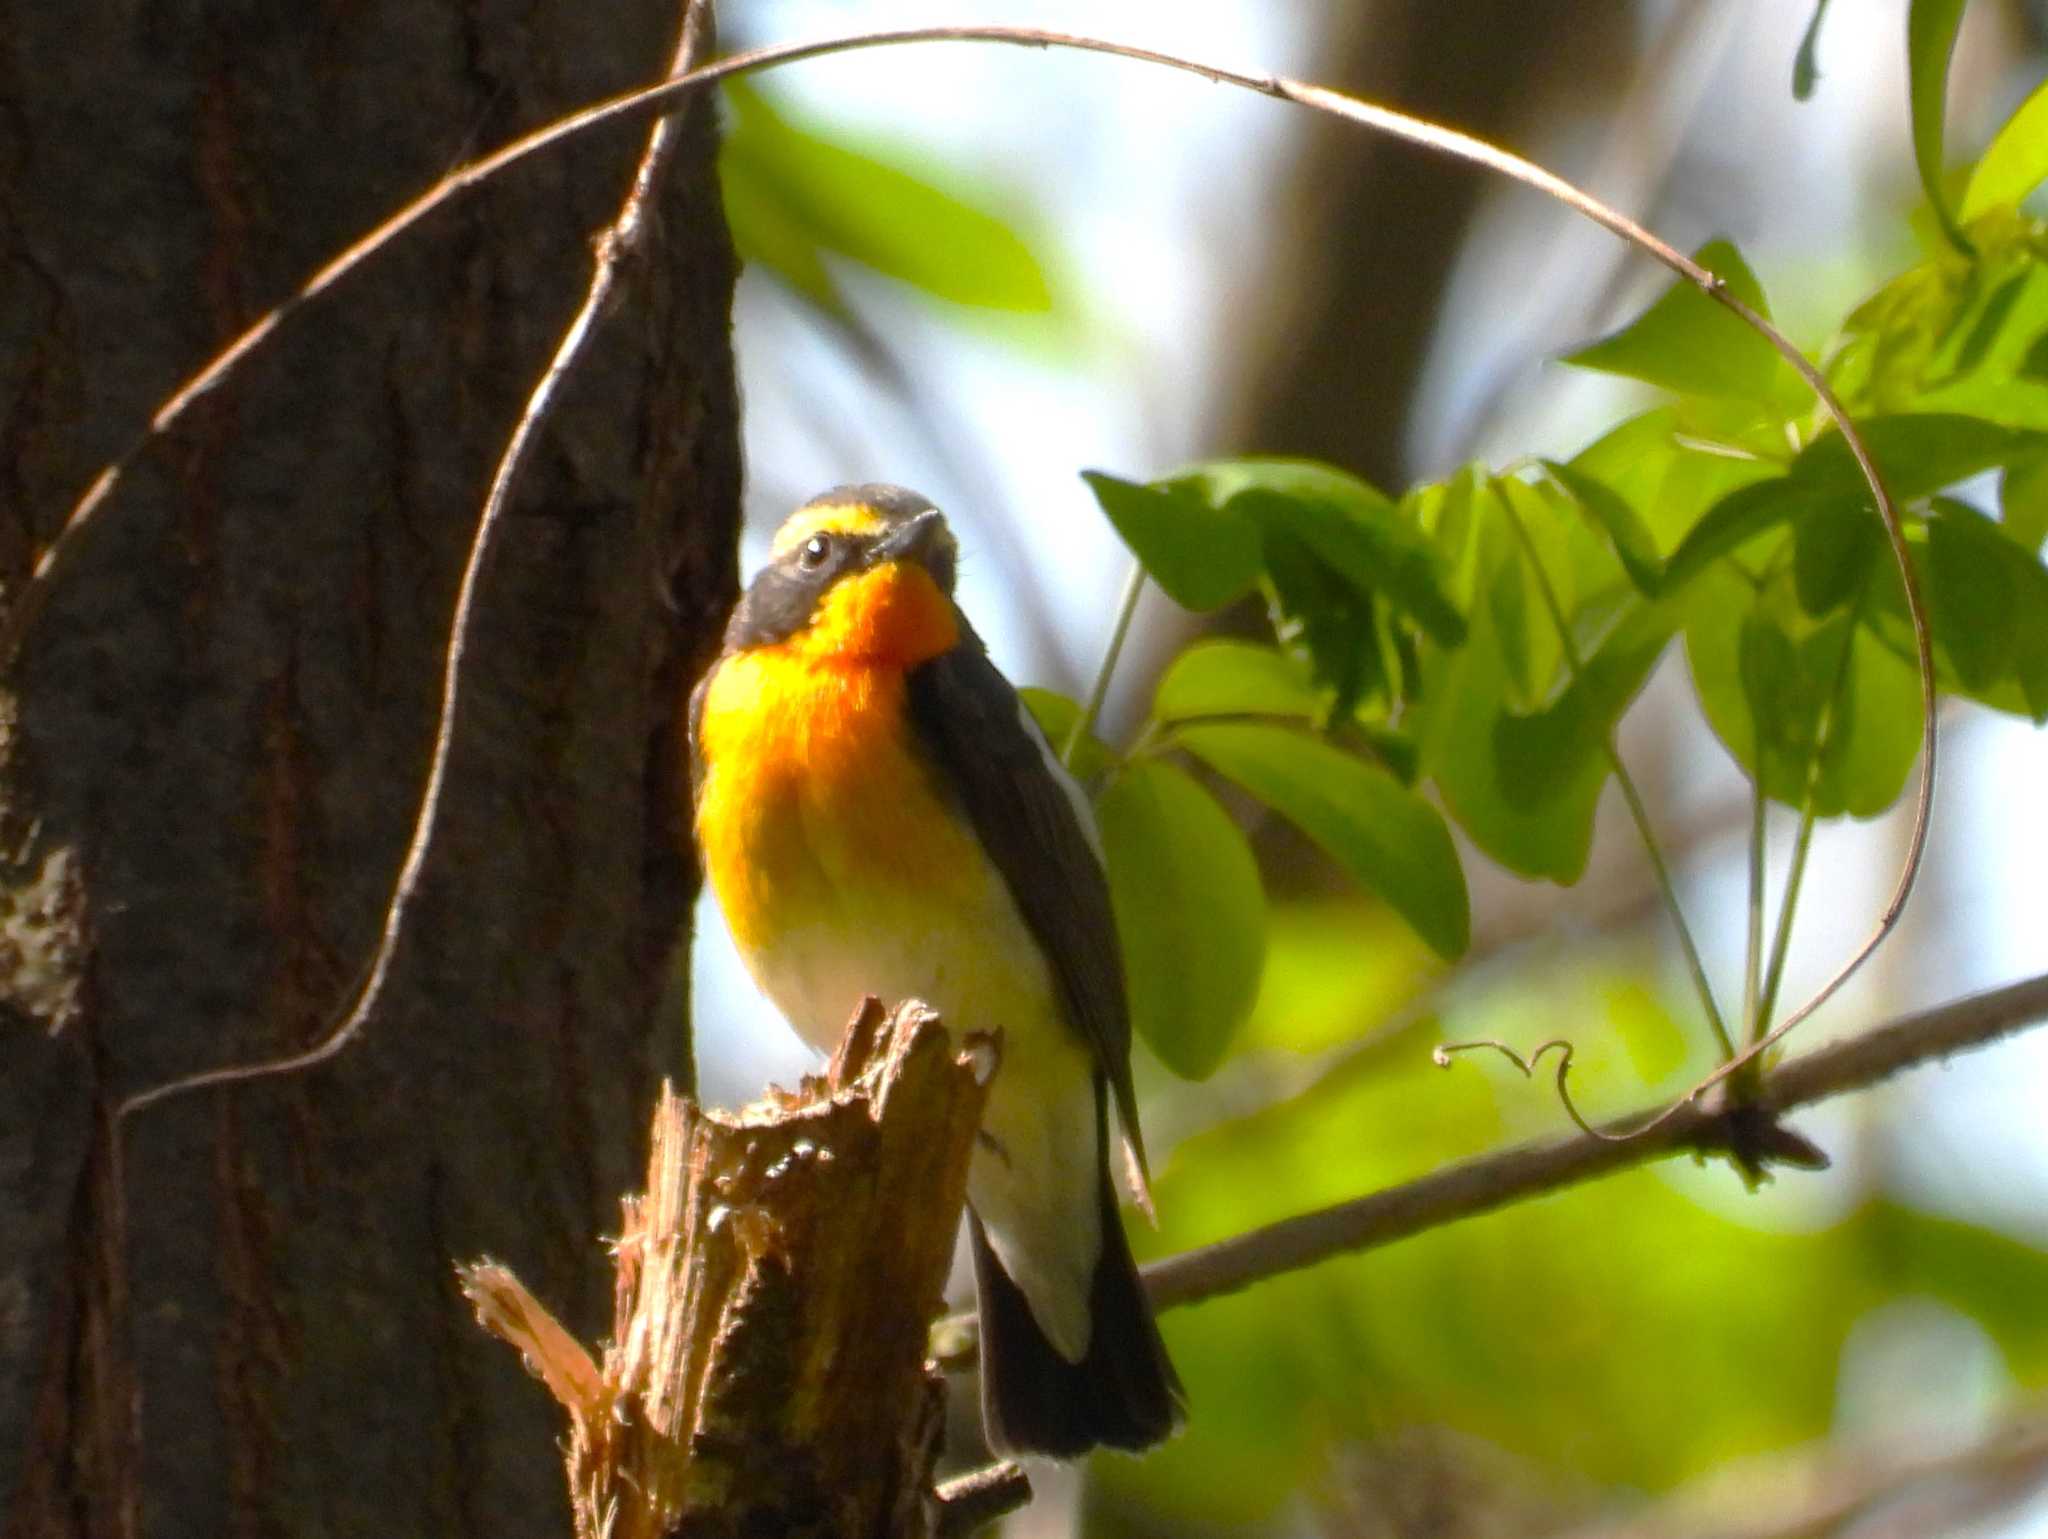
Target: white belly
{"x":971,"y":958}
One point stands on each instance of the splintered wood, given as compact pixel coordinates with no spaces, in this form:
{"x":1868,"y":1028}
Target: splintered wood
{"x":776,"y":1284}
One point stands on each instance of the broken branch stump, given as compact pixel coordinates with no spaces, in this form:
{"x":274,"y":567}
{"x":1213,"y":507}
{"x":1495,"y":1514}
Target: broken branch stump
{"x":777,"y":1283}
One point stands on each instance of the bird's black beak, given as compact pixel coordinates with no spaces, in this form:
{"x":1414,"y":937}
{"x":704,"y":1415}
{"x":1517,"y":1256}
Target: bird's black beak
{"x":919,"y":540}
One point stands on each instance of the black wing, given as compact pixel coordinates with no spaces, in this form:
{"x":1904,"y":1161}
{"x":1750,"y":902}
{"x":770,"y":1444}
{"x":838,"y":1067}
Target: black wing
{"x":972,"y":722}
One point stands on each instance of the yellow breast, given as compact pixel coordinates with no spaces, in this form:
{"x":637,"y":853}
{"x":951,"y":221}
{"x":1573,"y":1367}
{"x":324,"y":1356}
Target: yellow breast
{"x":815,"y":805}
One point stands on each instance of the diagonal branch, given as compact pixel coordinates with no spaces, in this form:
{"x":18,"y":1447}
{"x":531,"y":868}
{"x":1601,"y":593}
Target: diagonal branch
{"x":1531,"y":1170}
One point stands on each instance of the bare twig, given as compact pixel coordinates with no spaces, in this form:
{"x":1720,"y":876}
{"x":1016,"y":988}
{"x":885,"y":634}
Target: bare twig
{"x":613,"y":247}
{"x":975,"y":1500}
{"x":1495,"y":1180}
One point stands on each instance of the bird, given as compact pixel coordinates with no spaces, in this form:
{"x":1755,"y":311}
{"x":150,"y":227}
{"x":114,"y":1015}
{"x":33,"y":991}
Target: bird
{"x":878,"y":814}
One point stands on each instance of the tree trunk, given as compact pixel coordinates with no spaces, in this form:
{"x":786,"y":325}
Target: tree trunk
{"x":215,"y":742}
{"x":1340,"y":348}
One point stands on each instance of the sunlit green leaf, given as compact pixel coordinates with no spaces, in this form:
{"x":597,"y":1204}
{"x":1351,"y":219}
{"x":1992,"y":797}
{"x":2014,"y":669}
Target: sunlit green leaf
{"x":2016,"y":161}
{"x":1630,"y":536}
{"x":1833,"y":549}
{"x":2023,"y":502}
{"x":1190,"y":911}
{"x":1973,"y":593}
{"x":1541,"y":758}
{"x":1668,"y":484}
{"x":771,"y":233}
{"x":1387,"y":838}
{"x":1742,"y":516}
{"x":801,"y":189}
{"x":1514,"y":612}
{"x":1056,"y":716}
{"x":1991,"y":323}
{"x":1689,"y":343}
{"x":2030,"y":648}
{"x":1328,"y":621}
{"x":1535,"y":584}
{"x":1235,"y":678}
{"x":1353,"y":529}
{"x":1917,"y":453}
{"x":1796,"y":686}
{"x":1464,"y":697}
{"x":1202,"y":555}
{"x":1931,"y":27}
{"x":1776,"y":687}
{"x":1885,"y":617}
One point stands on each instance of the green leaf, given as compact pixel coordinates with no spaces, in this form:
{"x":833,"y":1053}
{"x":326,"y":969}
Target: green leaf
{"x":1327,"y":620}
{"x":1350,"y":527}
{"x":2030,"y":647}
{"x":1806,"y":63}
{"x":1625,"y":530}
{"x":2023,"y":502}
{"x":1536,"y":534}
{"x":1692,"y":344}
{"x":1056,"y":716}
{"x":802,"y":188}
{"x":1743,"y":515}
{"x":1190,"y":912}
{"x":1235,"y":678}
{"x":1833,"y":549}
{"x":1774,"y":684}
{"x":1668,"y":484}
{"x":1202,"y":555}
{"x":1793,"y":685}
{"x":1385,"y":836}
{"x":771,"y":234}
{"x":1541,"y":757}
{"x":1463,"y":696}
{"x":1991,"y":322}
{"x":1931,"y":27}
{"x":1917,"y":453}
{"x":2016,"y":161}
{"x":1973,"y":594}
{"x":1866,"y":766}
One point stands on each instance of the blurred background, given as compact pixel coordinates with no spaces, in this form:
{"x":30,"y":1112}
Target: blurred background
{"x":1131,"y":269}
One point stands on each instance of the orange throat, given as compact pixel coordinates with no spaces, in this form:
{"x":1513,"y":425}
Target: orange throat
{"x":813,"y":787}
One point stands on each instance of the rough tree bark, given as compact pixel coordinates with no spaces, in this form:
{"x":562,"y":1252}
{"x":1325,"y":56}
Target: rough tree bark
{"x":214,"y":742}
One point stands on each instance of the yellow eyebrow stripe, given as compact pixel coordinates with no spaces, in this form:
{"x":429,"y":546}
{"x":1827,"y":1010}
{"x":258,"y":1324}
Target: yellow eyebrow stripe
{"x":845,"y":518}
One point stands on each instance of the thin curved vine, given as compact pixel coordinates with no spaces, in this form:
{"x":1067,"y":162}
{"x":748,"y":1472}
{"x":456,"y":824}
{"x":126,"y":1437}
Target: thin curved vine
{"x":647,"y":101}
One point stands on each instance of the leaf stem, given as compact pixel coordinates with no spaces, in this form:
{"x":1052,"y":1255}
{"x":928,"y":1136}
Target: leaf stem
{"x":1668,"y":891}
{"x":1802,"y":845}
{"x":1753,"y":948}
{"x":1127,"y":606}
{"x":1659,"y":868}
{"x":1781,"y":941}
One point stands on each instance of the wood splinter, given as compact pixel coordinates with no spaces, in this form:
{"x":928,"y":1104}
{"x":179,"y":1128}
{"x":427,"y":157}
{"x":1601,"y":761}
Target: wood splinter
{"x":767,"y":1371}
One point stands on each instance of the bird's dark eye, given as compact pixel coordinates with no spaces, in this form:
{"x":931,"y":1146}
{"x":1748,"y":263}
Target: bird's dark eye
{"x":816,"y":551}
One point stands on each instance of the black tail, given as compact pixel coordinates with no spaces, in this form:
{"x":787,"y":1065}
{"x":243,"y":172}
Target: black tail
{"x":1123,"y":1394}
